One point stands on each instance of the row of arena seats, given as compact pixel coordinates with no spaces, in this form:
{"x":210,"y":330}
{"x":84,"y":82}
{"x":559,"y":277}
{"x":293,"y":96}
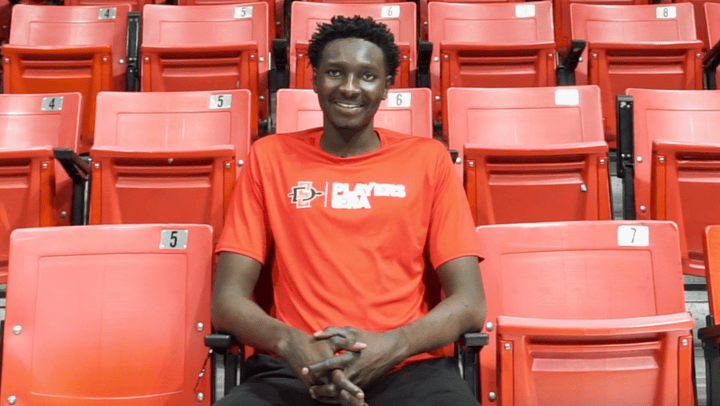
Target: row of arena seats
{"x":524,"y":155}
{"x":92,"y":49}
{"x":584,"y":312}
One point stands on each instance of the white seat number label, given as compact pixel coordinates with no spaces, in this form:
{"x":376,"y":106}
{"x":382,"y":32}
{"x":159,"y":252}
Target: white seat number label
{"x":400,"y":99}
{"x":243,"y":12}
{"x":666,"y":12}
{"x":173,"y":239}
{"x":567,"y":97}
{"x":220,"y":101}
{"x":633,"y":236}
{"x":525,"y":11}
{"x":51,"y":104}
{"x":107,"y":13}
{"x":390,"y":12}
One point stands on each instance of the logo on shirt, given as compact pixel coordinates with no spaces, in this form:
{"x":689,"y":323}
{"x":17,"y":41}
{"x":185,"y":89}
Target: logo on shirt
{"x":303,"y":194}
{"x":343,"y":195}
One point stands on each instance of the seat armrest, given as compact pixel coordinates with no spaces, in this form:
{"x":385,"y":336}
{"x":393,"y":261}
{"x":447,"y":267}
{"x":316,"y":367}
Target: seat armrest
{"x":280,"y":78}
{"x":711,"y":60}
{"x":423,"y":69}
{"x":567,"y":65}
{"x":222,"y":344}
{"x":78,"y":169}
{"x":467,"y":349}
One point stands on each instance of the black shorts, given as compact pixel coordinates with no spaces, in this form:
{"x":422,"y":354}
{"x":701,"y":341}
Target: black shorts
{"x":434,"y":382}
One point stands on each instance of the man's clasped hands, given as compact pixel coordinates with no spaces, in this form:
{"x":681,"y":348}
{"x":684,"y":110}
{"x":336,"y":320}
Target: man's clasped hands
{"x":335,"y":363}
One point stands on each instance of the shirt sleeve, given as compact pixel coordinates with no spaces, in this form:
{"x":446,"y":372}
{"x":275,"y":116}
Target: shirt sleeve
{"x":452,"y":229}
{"x":245,"y":231}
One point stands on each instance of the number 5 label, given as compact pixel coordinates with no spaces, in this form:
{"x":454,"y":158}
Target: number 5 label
{"x":399,"y":99}
{"x":220,"y":101}
{"x":173,"y":239}
{"x":633,"y":236}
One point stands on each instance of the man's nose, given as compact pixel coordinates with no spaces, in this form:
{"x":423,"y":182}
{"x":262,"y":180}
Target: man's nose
{"x":350,"y":84}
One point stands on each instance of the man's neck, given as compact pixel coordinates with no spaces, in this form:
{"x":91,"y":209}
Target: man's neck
{"x":345,"y":143}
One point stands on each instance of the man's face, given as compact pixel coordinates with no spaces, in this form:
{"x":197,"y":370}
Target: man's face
{"x":350,"y":81}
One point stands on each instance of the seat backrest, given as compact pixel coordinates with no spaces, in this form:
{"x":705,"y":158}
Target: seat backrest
{"x":689,"y":187}
{"x":561,"y":9}
{"x":701,"y":20}
{"x":67,"y":49}
{"x":41,"y":26}
{"x":575,"y":271}
{"x":136,"y":5}
{"x":405,"y":110}
{"x":272,"y":7}
{"x":712,"y":22}
{"x":490,"y":45}
{"x":401,"y":19}
{"x":641,"y":46}
{"x":524,"y":116}
{"x":168,"y":157}
{"x":101,"y":314}
{"x":36,"y":190}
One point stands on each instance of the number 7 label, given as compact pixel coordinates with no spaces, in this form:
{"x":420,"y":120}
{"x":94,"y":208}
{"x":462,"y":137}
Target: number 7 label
{"x":633,"y":236}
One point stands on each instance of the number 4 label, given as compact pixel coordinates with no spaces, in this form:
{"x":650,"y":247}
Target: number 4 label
{"x":400,"y":99}
{"x":51,"y":104}
{"x":173,"y":239}
{"x":390,"y":12}
{"x":633,"y":236}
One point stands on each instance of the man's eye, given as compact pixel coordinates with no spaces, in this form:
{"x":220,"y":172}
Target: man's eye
{"x":368,"y":76}
{"x":333,"y":72}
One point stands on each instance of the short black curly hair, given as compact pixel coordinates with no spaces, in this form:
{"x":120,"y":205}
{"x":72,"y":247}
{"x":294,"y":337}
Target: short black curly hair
{"x":356,"y":27}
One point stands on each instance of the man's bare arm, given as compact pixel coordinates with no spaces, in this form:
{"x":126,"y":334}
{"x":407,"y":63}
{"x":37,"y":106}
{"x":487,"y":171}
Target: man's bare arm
{"x":234,"y":311}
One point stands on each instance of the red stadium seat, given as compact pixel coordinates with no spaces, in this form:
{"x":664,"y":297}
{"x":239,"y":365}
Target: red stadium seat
{"x":275,"y":18}
{"x":676,"y":162}
{"x":561,"y":11}
{"x":641,"y":46}
{"x":405,"y":111}
{"x":136,"y":5}
{"x":701,"y":19}
{"x":489,"y":45}
{"x":108,"y":315}
{"x":531,"y":154}
{"x":211,"y":47}
{"x":36,"y":192}
{"x":67,"y":49}
{"x":305,"y":16}
{"x":710,"y":336}
{"x":168,"y":157}
{"x":424,"y":10}
{"x":585,"y":313}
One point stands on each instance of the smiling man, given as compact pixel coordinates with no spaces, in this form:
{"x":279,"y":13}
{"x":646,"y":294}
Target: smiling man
{"x":351,"y":219}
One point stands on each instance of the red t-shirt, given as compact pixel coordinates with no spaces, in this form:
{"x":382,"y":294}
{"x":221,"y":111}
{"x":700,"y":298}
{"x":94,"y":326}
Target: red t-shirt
{"x":351,"y":237}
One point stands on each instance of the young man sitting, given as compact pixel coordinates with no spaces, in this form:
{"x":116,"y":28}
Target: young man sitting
{"x":351,"y":218}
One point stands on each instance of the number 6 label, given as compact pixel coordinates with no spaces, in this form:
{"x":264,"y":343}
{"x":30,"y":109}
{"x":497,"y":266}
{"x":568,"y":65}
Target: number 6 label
{"x":390,"y":12}
{"x":173,"y":239}
{"x":633,"y":236}
{"x":400,"y":99}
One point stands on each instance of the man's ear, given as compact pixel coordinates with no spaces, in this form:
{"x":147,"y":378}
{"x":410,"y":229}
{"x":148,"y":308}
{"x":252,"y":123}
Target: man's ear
{"x":388,"y":82}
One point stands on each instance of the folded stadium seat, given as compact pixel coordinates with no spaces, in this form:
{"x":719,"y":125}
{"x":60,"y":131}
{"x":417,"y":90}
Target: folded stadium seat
{"x":585,"y":313}
{"x":67,"y":49}
{"x":406,"y":111}
{"x":168,"y":157}
{"x":710,"y":336}
{"x":701,"y":19}
{"x":273,"y":26}
{"x":671,"y":169}
{"x":489,"y":45}
{"x":531,"y":154}
{"x":5,"y":15}
{"x":561,"y":16}
{"x":401,"y":19}
{"x":424,"y":11}
{"x":712,"y":57}
{"x":210,"y":47}
{"x":136,"y":5}
{"x":36,"y":192}
{"x":640,"y":46}
{"x":108,"y":315}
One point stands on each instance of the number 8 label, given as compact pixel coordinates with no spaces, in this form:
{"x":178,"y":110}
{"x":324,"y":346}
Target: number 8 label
{"x":399,"y":99}
{"x":666,"y":12}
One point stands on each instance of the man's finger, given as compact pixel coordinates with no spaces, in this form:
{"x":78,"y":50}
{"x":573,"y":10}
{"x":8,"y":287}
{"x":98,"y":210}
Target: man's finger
{"x":329,"y":332}
{"x":324,"y":393}
{"x":324,"y":367}
{"x":350,"y":394}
